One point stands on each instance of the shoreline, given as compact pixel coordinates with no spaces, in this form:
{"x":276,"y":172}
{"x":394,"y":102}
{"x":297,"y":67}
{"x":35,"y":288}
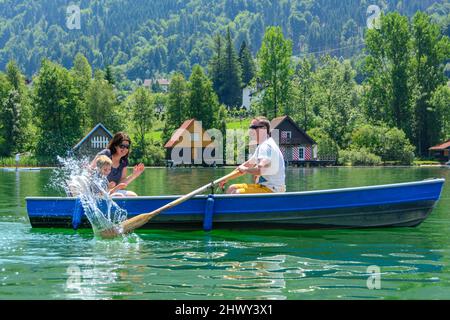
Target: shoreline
{"x":233,"y":166}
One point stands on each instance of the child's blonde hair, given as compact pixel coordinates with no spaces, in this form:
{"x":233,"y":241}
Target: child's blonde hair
{"x":102,"y":161}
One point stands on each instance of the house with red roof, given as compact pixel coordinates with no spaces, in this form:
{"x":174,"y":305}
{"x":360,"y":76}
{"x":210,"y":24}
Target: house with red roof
{"x":190,"y":144}
{"x":441,"y":152}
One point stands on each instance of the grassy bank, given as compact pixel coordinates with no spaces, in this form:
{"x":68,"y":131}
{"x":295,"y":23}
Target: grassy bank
{"x":25,"y":161}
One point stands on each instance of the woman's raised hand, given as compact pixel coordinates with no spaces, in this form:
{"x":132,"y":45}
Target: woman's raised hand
{"x":138,"y":169}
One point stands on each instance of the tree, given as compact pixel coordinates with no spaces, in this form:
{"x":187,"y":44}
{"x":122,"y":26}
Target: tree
{"x":109,"y":75}
{"x":102,"y":105}
{"x":11,"y":131}
{"x":176,"y":111}
{"x":57,"y":111}
{"x":15,"y":77}
{"x":297,"y":27}
{"x":231,"y":93}
{"x":142,"y":106}
{"x":334,"y":100}
{"x":388,"y":94}
{"x":202,"y":101}
{"x":81,"y":72}
{"x":19,"y":106}
{"x":82,"y":75}
{"x":275,"y":72}
{"x":225,"y":71}
{"x":216,"y":65}
{"x":430,"y":51}
{"x":440,"y":105}
{"x":327,"y":148}
{"x":247,"y":64}
{"x":302,"y":94}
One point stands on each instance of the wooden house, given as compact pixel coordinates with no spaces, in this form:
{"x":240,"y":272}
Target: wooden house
{"x":294,"y":143}
{"x":441,"y":152}
{"x":190,"y":144}
{"x":297,"y":146}
{"x":94,"y":142}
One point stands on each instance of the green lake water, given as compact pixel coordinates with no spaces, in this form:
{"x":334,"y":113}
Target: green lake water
{"x":224,"y":264}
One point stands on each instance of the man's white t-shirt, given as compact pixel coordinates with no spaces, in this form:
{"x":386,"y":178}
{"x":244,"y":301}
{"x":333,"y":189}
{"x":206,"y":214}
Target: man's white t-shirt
{"x":272,"y":176}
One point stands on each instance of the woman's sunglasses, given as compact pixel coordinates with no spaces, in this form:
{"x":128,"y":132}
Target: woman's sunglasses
{"x":124,"y":146}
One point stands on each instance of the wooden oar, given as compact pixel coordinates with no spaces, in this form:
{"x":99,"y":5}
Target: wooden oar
{"x":131,"y":224}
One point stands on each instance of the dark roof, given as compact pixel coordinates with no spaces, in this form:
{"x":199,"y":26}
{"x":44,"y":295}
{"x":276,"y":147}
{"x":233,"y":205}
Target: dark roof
{"x":441,"y":146}
{"x":90,"y":133}
{"x":277,"y":121}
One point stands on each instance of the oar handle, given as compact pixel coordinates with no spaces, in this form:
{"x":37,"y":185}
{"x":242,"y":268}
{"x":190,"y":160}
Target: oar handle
{"x":138,"y":221}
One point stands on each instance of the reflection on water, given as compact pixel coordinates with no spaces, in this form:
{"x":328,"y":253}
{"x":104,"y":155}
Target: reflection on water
{"x":220,"y":265}
{"x":223,"y":264}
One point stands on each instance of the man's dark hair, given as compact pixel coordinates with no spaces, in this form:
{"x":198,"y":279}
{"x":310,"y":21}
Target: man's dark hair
{"x":264,"y":122}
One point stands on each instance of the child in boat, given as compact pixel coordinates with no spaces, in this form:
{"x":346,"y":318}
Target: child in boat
{"x":104,"y":166}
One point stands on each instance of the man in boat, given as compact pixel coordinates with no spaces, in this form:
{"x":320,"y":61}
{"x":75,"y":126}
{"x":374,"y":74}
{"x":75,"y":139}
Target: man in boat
{"x":266,"y":164}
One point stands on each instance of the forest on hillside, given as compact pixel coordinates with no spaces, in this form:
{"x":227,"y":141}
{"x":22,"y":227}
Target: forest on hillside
{"x":144,"y":39}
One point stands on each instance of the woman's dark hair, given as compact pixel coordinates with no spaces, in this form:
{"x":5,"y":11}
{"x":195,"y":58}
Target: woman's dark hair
{"x":117,"y":140}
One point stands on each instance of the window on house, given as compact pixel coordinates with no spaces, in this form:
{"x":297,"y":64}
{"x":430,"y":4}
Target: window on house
{"x":285,"y":136}
{"x":301,"y":153}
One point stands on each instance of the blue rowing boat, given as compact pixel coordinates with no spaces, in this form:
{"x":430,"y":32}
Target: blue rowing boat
{"x":392,"y":205}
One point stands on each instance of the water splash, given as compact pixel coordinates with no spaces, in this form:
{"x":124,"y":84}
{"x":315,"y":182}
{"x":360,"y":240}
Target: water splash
{"x":77,"y":179}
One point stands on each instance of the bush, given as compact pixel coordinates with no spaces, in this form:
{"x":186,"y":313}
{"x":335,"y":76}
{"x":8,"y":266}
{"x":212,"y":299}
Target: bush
{"x":397,"y":147}
{"x":327,"y":147}
{"x":391,"y":144}
{"x":358,"y":158}
{"x":153,"y":155}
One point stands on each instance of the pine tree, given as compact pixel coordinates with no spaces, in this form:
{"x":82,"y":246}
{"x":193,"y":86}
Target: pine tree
{"x":109,"y":75}
{"x":216,"y":65}
{"x":247,"y":64}
{"x":231,"y":92}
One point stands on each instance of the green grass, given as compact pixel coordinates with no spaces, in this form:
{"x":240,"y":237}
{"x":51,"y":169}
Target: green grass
{"x":233,"y":123}
{"x":426,"y":162}
{"x":25,"y":161}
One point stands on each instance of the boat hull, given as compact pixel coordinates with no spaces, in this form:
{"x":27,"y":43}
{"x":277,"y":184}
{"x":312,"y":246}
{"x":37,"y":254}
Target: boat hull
{"x":396,"y":205}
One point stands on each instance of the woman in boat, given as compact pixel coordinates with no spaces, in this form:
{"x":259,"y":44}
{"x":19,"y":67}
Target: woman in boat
{"x":118,"y":151}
